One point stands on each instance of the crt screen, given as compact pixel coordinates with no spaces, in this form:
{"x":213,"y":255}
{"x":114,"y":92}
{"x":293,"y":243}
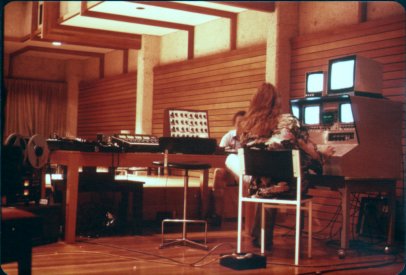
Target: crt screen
{"x":342,"y":74}
{"x":346,"y":113}
{"x":314,"y":82}
{"x":312,"y":115}
{"x":295,"y":111}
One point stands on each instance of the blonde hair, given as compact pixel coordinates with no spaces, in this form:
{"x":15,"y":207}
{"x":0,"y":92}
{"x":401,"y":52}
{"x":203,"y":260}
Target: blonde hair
{"x":262,"y":115}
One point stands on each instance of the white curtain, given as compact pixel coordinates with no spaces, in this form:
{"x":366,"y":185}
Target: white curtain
{"x":35,"y":107}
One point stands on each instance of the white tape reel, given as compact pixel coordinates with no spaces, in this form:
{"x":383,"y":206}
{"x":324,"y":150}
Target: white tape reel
{"x":37,"y":151}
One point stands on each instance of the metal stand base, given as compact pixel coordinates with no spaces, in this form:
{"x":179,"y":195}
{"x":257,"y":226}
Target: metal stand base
{"x":184,"y":241}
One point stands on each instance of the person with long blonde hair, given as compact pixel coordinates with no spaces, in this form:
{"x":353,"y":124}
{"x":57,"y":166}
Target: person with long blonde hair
{"x":265,"y":127}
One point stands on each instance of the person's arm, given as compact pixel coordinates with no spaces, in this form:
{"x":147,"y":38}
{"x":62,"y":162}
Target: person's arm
{"x":311,"y":149}
{"x":225,"y":140}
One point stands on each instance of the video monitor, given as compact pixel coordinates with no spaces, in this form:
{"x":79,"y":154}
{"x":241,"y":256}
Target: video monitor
{"x":311,"y":115}
{"x":314,"y":83}
{"x":341,"y":74}
{"x":346,"y":113}
{"x":295,"y":111}
{"x":354,"y":74}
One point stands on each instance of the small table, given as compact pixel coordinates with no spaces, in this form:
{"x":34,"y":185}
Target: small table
{"x":348,"y":185}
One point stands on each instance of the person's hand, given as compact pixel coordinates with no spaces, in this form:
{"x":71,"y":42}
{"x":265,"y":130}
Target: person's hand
{"x":327,"y":152}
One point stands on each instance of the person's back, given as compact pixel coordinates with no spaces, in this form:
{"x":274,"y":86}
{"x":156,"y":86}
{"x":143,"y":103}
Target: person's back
{"x":266,"y":128}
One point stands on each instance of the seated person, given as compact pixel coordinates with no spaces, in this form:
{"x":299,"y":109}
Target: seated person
{"x":222,"y":177}
{"x":265,"y":127}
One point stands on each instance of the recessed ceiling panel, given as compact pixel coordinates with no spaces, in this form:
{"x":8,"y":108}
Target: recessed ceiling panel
{"x":211,"y":5}
{"x":117,"y":26}
{"x":152,"y":12}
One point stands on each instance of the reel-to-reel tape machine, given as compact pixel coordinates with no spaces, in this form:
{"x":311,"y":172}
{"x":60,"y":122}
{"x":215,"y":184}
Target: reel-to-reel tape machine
{"x":22,"y":161}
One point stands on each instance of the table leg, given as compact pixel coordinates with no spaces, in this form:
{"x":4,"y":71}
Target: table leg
{"x":71,"y":202}
{"x":204,"y":191}
{"x":345,"y":206}
{"x":392,"y":211}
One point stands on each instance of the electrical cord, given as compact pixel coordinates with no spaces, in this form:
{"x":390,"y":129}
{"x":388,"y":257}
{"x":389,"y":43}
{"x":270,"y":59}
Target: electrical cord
{"x":193,"y":264}
{"x":352,"y":268}
{"x":365,"y":264}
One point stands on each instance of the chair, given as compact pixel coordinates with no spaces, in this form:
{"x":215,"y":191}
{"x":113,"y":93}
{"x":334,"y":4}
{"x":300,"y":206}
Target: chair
{"x":277,"y":164}
{"x":186,"y":166}
{"x":18,"y":228}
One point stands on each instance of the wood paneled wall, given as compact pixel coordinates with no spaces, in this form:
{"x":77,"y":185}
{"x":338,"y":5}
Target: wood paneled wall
{"x":381,"y":40}
{"x":107,"y":106}
{"x":222,"y":84}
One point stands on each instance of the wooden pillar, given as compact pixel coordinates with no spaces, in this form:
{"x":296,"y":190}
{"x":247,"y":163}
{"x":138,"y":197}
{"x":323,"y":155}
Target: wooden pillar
{"x":148,"y":58}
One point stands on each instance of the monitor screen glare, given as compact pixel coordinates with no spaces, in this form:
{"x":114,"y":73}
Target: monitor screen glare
{"x":342,"y":74}
{"x":312,"y":115}
{"x":315,"y":82}
{"x":346,"y":113}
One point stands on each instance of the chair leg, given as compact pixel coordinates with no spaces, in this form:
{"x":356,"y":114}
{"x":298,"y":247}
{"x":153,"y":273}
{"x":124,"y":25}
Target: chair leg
{"x":310,"y":235}
{"x":262,"y":228}
{"x":297,"y":235}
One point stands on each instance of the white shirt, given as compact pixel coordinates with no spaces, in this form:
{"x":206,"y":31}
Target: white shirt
{"x":229,"y":140}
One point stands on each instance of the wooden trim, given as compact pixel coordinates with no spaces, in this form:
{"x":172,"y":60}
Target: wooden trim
{"x":125,"y":61}
{"x":233,"y":32}
{"x":53,"y":30}
{"x":264,"y":6}
{"x":21,"y":39}
{"x":191,"y":44}
{"x":362,"y":12}
{"x":68,"y":16}
{"x":73,"y":30}
{"x":13,"y":55}
{"x":93,"y":4}
{"x":189,"y":8}
{"x":34,"y":18}
{"x":36,"y":79}
{"x":101,"y":67}
{"x":59,"y":51}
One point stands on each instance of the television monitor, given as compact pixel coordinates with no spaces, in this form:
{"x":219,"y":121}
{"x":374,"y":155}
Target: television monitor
{"x":311,"y":115}
{"x":354,"y":74}
{"x":314,"y":83}
{"x":346,"y":113}
{"x":295,"y":111}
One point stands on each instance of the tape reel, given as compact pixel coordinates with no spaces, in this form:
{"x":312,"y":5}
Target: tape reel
{"x":18,"y":141}
{"x":37,"y":151}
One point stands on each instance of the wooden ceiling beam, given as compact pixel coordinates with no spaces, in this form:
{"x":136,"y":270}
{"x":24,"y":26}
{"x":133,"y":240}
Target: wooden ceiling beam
{"x":53,"y":30}
{"x":58,"y":51}
{"x":264,"y":6}
{"x":21,"y":51}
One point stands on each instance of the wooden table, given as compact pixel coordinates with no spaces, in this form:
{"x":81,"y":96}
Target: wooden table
{"x":74,"y":159}
{"x":346,"y":186}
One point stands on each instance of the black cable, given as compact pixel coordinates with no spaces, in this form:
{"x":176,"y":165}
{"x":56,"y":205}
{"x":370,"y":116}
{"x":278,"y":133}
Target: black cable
{"x":193,"y":264}
{"x":351,"y":268}
{"x":395,"y":257}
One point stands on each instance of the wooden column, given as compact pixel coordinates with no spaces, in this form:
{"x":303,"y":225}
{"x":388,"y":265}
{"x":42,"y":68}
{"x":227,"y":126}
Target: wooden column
{"x":148,"y":57}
